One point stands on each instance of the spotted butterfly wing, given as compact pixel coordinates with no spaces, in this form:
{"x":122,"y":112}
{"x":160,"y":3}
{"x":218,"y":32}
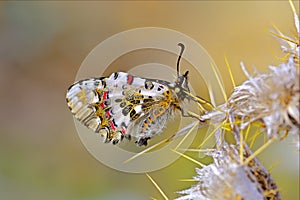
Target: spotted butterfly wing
{"x":123,"y":105}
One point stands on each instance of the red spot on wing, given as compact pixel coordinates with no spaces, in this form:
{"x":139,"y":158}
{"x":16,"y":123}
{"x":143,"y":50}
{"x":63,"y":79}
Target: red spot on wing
{"x":129,"y":79}
{"x":112,"y":125}
{"x":123,"y":130}
{"x":102,"y":105}
{"x":104,"y":96}
{"x":108,"y":114}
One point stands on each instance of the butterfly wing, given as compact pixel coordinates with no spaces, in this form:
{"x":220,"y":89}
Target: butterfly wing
{"x":87,"y":102}
{"x":121,"y":105}
{"x":150,"y":124}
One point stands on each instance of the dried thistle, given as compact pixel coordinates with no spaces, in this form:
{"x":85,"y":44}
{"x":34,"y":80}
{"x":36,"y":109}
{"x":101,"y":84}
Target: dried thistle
{"x":289,"y":45}
{"x":271,"y":99}
{"x":229,"y":178}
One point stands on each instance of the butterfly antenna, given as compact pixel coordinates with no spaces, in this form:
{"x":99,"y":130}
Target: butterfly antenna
{"x":181,"y":52}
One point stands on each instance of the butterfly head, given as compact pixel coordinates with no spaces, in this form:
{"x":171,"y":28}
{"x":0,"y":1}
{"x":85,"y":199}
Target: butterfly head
{"x":181,"y":86}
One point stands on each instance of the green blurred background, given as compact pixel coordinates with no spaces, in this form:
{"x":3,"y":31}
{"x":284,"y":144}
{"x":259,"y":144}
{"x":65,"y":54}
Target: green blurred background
{"x":42,"y":45}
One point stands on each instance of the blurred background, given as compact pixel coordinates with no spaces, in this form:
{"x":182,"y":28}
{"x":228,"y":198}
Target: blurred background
{"x":42,"y":45}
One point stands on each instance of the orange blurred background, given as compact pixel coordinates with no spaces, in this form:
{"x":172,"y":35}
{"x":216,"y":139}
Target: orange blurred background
{"x":42,"y":45}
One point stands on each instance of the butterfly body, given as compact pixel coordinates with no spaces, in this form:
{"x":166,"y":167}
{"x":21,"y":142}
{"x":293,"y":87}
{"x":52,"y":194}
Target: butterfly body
{"x":123,"y":105}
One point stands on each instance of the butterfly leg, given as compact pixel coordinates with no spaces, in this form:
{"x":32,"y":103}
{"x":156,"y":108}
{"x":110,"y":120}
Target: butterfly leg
{"x":188,"y":114}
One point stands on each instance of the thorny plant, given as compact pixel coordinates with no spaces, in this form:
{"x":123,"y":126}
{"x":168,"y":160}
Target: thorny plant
{"x":271,"y":102}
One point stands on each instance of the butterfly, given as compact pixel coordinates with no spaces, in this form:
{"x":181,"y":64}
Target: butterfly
{"x":126,"y":106}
